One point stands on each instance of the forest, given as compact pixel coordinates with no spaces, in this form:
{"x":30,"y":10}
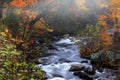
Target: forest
{"x":59,"y":39}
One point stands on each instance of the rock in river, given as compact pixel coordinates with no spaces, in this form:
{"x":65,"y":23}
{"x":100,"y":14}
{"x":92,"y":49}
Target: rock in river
{"x":77,"y":67}
{"x":83,"y":75}
{"x":90,"y":70}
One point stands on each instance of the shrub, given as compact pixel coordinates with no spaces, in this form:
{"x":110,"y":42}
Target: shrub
{"x":12,"y":62}
{"x":103,"y":59}
{"x":92,"y":39}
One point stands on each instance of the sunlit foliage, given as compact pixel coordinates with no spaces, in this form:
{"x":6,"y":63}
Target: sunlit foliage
{"x":13,"y":64}
{"x":115,"y":9}
{"x":22,"y":3}
{"x":105,"y":38}
{"x":25,"y":23}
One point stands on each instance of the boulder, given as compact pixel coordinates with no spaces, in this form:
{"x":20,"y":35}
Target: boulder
{"x":85,"y":61}
{"x":57,"y":75}
{"x":52,"y":47}
{"x":90,"y":70}
{"x":83,"y":75}
{"x":64,"y":60}
{"x":100,"y":70}
{"x":77,"y":67}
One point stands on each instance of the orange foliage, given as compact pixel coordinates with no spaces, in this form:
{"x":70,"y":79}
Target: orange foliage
{"x":22,"y":3}
{"x":115,"y":9}
{"x":102,"y":17}
{"x":29,"y":15}
{"x":18,"y":3}
{"x":105,"y":38}
{"x":115,"y":2}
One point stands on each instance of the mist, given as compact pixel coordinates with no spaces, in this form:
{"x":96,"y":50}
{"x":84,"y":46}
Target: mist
{"x":69,"y":16}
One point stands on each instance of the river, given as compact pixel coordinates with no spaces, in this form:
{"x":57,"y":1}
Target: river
{"x":65,"y":53}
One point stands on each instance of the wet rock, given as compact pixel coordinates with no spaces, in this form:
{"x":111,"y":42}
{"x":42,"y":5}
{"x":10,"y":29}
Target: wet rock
{"x":77,"y":67}
{"x":83,"y":75}
{"x":51,"y":47}
{"x":100,"y":70}
{"x":66,"y":36}
{"x":55,"y":38}
{"x":64,"y":60}
{"x":57,"y":75}
{"x":84,"y":61}
{"x":91,"y":70}
{"x":44,"y":74}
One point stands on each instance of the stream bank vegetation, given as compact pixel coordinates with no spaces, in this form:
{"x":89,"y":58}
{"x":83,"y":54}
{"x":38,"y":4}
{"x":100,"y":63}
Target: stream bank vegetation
{"x":102,"y":45}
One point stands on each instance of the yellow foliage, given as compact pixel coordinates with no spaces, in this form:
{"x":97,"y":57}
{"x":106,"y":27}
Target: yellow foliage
{"x":115,"y":8}
{"x":115,"y":2}
{"x":18,"y":11}
{"x":6,"y":30}
{"x":50,"y":30}
{"x":6,"y":33}
{"x":39,"y":25}
{"x":41,"y":19}
{"x":102,"y":24}
{"x":3,"y":34}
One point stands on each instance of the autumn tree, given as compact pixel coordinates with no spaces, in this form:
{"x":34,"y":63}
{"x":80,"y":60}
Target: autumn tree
{"x":21,"y":19}
{"x":115,"y":9}
{"x":115,"y":13}
{"x":105,"y":37}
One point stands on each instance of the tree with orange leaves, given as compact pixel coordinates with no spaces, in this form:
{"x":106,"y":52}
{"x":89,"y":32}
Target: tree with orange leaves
{"x":115,"y":14}
{"x":115,"y":9}
{"x":22,"y":3}
{"x":105,"y":37}
{"x":29,"y":17}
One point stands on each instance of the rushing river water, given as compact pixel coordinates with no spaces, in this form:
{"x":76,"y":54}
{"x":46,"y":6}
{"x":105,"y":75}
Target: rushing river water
{"x":58,"y":60}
